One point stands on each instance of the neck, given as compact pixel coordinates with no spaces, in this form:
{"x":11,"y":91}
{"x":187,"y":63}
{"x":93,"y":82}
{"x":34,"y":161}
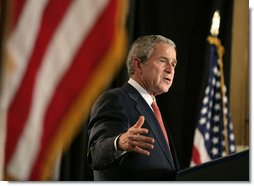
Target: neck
{"x":140,"y":81}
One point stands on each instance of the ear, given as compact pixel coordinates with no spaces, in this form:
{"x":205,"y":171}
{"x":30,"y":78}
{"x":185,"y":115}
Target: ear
{"x":137,"y":65}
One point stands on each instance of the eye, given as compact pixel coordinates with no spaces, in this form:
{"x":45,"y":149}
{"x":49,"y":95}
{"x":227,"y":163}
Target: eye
{"x":174,"y":64}
{"x":162,"y":60}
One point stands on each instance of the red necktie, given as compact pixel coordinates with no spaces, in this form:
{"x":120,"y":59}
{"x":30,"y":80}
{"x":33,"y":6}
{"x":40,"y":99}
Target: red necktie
{"x":157,"y":114}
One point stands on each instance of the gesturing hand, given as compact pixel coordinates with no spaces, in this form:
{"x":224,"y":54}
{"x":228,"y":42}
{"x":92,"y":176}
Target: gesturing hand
{"x":134,"y":140}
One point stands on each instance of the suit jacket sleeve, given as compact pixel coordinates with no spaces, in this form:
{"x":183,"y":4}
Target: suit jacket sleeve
{"x":108,"y":120}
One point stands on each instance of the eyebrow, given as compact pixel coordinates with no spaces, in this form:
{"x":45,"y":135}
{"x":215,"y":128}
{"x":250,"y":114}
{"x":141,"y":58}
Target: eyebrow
{"x":168,"y":59}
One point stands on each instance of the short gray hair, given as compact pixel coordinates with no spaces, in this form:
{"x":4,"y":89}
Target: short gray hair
{"x":143,"y":47}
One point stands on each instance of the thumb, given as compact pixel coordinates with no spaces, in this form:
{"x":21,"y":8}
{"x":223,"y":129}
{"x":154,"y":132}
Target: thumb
{"x":140,"y":122}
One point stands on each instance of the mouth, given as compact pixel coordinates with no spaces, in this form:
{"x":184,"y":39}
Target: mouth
{"x":167,"y":79}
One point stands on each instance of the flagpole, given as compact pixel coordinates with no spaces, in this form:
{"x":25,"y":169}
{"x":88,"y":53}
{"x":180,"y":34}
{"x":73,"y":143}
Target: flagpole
{"x":220,"y":51}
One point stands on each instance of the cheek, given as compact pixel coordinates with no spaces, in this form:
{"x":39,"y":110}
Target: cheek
{"x":154,"y":75}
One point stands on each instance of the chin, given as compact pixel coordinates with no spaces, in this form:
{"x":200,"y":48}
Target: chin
{"x":164,"y":90}
{"x":166,"y":87}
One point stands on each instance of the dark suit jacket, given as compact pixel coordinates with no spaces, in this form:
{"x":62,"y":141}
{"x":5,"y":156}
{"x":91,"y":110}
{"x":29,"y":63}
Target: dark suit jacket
{"x":112,"y":114}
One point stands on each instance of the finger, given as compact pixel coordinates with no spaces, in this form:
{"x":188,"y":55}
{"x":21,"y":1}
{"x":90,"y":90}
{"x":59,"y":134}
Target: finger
{"x":138,"y":130}
{"x":142,"y":138}
{"x":140,"y":122}
{"x":142,"y":145}
{"x":141,"y":151}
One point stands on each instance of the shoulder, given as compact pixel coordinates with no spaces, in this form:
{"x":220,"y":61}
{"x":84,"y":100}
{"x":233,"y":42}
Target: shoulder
{"x":118,"y":93}
{"x":117,"y":98}
{"x":111,"y":94}
{"x":109,"y":99}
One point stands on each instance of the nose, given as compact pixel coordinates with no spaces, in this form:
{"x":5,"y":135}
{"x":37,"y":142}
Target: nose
{"x":170,"y":67}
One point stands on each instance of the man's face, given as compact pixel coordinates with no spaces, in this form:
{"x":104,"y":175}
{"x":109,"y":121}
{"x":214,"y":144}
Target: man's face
{"x":157,"y":73}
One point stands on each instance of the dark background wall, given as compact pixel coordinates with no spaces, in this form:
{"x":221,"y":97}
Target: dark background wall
{"x":187,"y":23}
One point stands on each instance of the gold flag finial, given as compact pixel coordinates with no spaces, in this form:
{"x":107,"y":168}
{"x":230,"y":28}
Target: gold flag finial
{"x":215,"y":24}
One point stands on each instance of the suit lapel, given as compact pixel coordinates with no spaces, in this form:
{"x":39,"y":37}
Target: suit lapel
{"x":144,"y":109}
{"x":155,"y":129}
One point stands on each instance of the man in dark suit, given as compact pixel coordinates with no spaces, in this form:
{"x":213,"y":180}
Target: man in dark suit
{"x":127,"y":137}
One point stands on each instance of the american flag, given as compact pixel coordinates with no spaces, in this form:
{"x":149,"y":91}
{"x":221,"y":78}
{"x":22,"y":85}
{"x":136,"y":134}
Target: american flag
{"x":60,"y":55}
{"x":214,"y":137}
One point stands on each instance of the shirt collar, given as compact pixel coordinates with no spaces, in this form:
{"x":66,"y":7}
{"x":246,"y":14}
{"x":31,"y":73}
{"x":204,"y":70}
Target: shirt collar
{"x":147,"y":97}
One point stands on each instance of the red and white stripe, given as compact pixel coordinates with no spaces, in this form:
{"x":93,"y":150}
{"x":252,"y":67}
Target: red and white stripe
{"x":199,"y":152}
{"x":54,"y":49}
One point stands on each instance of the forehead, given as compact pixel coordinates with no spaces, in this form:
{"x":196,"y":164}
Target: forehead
{"x":164,"y":49}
